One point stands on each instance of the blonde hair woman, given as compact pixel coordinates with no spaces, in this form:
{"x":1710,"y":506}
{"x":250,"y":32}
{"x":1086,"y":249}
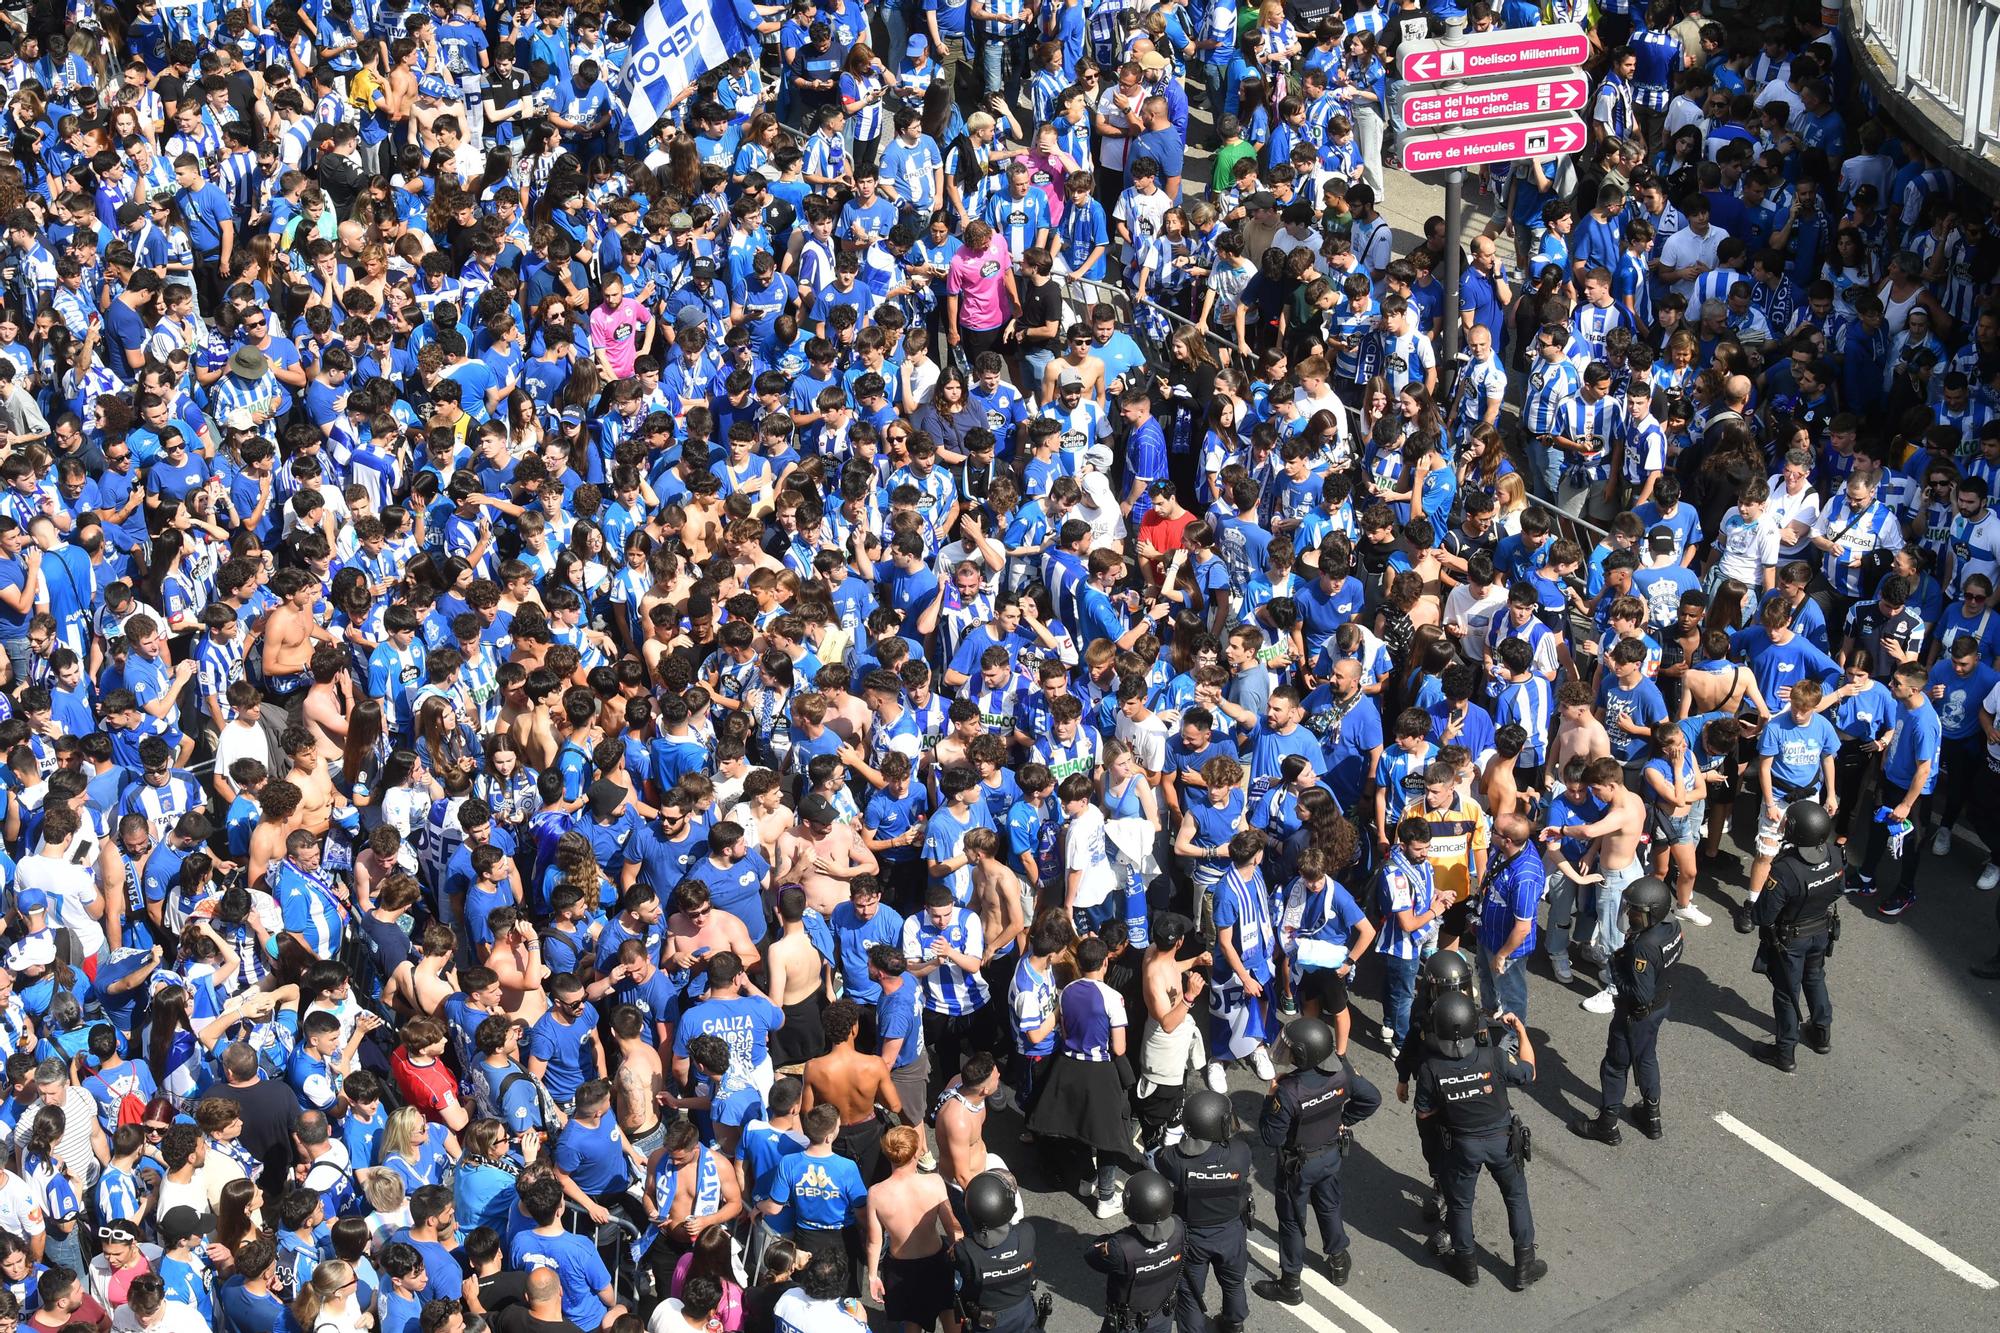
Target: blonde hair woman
{"x":1513,"y":497}
{"x":326,"y":1304}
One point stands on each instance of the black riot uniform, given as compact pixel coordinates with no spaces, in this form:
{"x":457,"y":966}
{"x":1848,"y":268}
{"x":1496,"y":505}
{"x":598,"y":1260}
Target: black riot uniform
{"x":993,"y":1264}
{"x":1444,"y":971}
{"x":1464,"y":1085}
{"x":1142,"y":1262}
{"x":1306,"y":1118}
{"x":1798,"y":920}
{"x":1641,"y":972}
{"x":1209,"y":1170}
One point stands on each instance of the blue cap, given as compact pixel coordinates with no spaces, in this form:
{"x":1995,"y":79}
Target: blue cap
{"x":917,"y":45}
{"x":430,"y":85}
{"x":32,"y":900}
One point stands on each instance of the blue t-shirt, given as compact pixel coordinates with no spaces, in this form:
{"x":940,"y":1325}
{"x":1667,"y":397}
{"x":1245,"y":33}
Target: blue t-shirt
{"x":738,"y":890}
{"x":1797,"y":751}
{"x":1642,"y":704}
{"x":1918,"y":736}
{"x":1958,"y":709}
{"x":576,"y":1262}
{"x":746,"y":1022}
{"x":561,"y":1045}
{"x":819,"y":1193}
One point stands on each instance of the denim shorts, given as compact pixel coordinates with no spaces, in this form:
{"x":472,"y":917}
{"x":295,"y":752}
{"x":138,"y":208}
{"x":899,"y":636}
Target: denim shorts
{"x":1685,"y":830}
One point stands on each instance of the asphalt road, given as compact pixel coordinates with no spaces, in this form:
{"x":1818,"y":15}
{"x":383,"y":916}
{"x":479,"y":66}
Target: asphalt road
{"x":1704,"y":1229}
{"x":1701,"y":1229}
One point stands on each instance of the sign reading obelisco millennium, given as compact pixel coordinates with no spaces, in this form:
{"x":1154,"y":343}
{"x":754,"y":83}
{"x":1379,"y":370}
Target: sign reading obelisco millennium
{"x":1491,"y":83}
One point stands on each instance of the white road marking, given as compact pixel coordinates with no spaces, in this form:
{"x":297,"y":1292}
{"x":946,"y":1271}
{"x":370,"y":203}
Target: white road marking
{"x":1839,"y":1193}
{"x":1340,"y":1300}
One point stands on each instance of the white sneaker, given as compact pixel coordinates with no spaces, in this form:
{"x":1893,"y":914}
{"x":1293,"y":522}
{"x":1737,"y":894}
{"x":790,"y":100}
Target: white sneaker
{"x":1690,"y":912}
{"x":1260,"y":1065}
{"x":1989,"y":878}
{"x":1941,"y":841}
{"x":1109,"y":1208}
{"x":1388,"y":1033}
{"x":1603,"y":1002}
{"x":1218,"y":1077}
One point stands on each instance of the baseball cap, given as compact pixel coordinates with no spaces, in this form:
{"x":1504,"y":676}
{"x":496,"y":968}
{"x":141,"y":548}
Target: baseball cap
{"x":35,"y":951}
{"x":818,"y":810}
{"x":1069,"y":379}
{"x":572,"y":416}
{"x":32,"y":900}
{"x":178,"y":1225}
{"x":1152,"y":61}
{"x":680,"y":222}
{"x":1660,"y":540}
{"x":917,"y":45}
{"x":704,"y":267}
{"x":130,"y":212}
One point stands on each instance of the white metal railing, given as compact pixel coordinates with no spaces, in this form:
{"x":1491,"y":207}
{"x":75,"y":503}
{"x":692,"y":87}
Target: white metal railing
{"x":1947,"y":50}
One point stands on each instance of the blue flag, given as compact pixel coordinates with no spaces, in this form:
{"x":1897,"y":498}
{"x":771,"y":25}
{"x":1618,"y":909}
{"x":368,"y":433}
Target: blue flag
{"x":679,"y":41}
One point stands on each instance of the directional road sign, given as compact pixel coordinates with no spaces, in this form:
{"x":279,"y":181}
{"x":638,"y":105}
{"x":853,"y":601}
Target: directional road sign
{"x":1553,"y":46}
{"x":1506,"y":143}
{"x":1433,"y":107}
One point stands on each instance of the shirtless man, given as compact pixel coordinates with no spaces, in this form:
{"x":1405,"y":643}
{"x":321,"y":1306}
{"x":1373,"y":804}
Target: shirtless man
{"x":1076,"y":357}
{"x":1714,"y":684}
{"x":1499,"y":792}
{"x":433,"y":980}
{"x":848,"y":716}
{"x":697,"y":931}
{"x":1579,"y":733}
{"x":961,"y":1125}
{"x":853,"y":1083}
{"x":1614,"y":855}
{"x":800,"y":981}
{"x":289,"y":632}
{"x":317,"y":796}
{"x":641,"y":1079}
{"x":516,"y":958}
{"x":996,"y":896}
{"x":823,"y":855}
{"x":330,"y":701}
{"x":763,"y":813}
{"x":911,"y":1229}
{"x":277,"y":816}
{"x":1173,"y":1042}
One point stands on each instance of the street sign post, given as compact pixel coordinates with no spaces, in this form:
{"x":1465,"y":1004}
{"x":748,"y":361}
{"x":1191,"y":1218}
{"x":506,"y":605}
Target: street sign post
{"x":1554,"y":46}
{"x":1468,"y":147}
{"x":1433,"y":108}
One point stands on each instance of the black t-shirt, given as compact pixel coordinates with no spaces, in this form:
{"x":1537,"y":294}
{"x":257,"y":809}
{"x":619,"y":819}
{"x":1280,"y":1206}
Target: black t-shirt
{"x":268,"y":1111}
{"x":1041,"y":303}
{"x":516,"y":1319}
{"x":501,"y":1294}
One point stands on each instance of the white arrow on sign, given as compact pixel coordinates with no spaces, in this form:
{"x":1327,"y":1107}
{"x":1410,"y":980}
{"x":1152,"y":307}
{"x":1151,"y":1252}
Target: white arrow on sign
{"x":1505,"y":143}
{"x":1432,"y":108}
{"x":1484,"y":55}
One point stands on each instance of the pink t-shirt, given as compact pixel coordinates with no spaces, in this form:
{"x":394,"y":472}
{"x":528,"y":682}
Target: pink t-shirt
{"x":616,"y":333}
{"x":1048,"y":176}
{"x":976,"y":281}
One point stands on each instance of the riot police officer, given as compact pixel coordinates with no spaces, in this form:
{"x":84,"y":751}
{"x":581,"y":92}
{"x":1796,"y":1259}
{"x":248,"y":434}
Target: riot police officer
{"x":1462,"y":1083}
{"x":993,"y":1264}
{"x":1209,"y":1170}
{"x":1444,"y":972}
{"x":1306,"y":1118}
{"x":1798,"y":920}
{"x":1142,"y":1263}
{"x":1639,"y":970}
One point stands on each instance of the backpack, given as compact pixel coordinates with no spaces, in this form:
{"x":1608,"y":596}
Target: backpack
{"x":131,"y":1106}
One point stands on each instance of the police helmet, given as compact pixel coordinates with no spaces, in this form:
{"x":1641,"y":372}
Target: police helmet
{"x":1208,"y":1117}
{"x":989,"y":1201}
{"x":1808,"y":828}
{"x":1454,"y":1025}
{"x":1311,"y":1042}
{"x":1647,"y":901}
{"x":1447,"y":970}
{"x":1148,"y":1198}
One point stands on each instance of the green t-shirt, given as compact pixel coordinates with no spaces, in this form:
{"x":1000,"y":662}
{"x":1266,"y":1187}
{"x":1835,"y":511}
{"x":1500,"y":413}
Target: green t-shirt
{"x":1226,"y":158}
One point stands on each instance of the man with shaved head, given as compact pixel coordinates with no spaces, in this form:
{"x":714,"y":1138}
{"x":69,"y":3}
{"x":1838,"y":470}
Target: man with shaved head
{"x":1509,"y":898}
